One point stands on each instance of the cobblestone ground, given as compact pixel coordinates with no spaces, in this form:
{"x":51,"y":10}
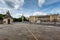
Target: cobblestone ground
{"x":25,"y":31}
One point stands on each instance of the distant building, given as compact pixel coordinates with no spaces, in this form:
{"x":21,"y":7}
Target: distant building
{"x":7,"y":19}
{"x":45,"y":18}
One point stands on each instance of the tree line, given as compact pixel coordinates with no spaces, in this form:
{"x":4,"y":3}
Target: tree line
{"x":15,"y":19}
{"x":20,"y":19}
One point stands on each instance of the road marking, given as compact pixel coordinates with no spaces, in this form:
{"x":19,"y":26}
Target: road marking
{"x":32,"y":33}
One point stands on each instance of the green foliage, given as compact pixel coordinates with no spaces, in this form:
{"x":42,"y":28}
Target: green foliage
{"x":1,"y":16}
{"x":24,"y":18}
{"x":15,"y":19}
{"x":20,"y":19}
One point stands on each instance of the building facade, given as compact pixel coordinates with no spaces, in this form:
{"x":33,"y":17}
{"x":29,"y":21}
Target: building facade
{"x":45,"y":18}
{"x":7,"y":19}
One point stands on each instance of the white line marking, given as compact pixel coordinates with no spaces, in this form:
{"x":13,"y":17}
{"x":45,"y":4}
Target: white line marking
{"x":32,"y":33}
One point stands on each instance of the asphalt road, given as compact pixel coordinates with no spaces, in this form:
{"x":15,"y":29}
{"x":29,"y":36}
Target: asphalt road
{"x":26,"y":31}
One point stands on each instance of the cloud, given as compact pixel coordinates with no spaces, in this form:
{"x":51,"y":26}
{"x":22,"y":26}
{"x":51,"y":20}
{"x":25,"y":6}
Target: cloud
{"x":55,"y":10}
{"x":46,"y":2}
{"x":41,"y":2}
{"x":39,"y":13}
{"x":17,"y":15}
{"x":27,"y":15}
{"x":16,"y":4}
{"x":12,"y":5}
{"x":2,"y":1}
{"x":49,"y":2}
{"x":4,"y":10}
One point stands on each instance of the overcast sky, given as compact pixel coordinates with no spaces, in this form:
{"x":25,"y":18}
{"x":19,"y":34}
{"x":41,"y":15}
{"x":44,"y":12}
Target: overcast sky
{"x":29,"y":7}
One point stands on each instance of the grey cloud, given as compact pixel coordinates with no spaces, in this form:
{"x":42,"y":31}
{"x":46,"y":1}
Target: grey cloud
{"x":10,"y":4}
{"x":15,"y":4}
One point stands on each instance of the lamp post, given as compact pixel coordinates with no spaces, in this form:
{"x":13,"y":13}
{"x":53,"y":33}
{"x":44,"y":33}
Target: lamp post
{"x":22,"y":18}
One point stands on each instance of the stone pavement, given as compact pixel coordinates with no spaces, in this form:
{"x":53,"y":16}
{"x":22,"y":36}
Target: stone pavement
{"x":24,"y":31}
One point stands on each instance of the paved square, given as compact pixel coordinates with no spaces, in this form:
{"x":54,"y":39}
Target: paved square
{"x":26,"y":31}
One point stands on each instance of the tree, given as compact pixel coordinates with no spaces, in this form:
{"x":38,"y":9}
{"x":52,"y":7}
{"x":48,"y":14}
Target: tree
{"x":1,"y":16}
{"x":15,"y":19}
{"x":20,"y":19}
{"x":24,"y":18}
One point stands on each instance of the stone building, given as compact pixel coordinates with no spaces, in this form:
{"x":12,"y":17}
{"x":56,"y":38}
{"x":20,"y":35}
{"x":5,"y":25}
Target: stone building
{"x":7,"y":19}
{"x":45,"y":18}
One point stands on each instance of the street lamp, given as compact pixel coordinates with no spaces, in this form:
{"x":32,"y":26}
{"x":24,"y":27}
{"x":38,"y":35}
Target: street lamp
{"x":22,"y":18}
